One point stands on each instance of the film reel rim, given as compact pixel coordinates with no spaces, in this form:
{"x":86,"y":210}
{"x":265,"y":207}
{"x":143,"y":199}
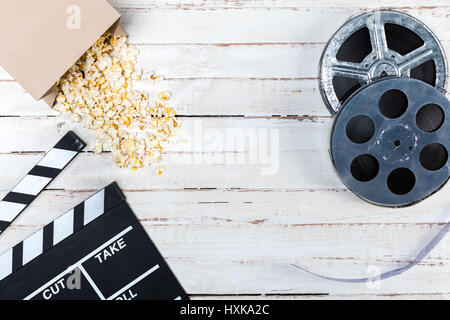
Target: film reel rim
{"x":433,"y":137}
{"x":432,"y":47}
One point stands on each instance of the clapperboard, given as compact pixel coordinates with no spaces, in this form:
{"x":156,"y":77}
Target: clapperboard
{"x":96,"y":251}
{"x":39,"y":177}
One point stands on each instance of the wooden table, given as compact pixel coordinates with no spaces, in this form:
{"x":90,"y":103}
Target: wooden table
{"x":231,"y":229}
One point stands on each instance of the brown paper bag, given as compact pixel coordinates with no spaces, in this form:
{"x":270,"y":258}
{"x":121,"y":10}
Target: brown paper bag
{"x":41,"y":39}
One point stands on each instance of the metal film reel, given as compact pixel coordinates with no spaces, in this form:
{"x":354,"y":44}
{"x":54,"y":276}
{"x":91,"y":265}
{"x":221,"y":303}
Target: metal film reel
{"x":390,"y":141}
{"x":375,"y":45}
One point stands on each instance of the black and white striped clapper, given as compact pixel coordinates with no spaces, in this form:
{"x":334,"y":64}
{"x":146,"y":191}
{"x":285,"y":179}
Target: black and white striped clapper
{"x":96,"y":251}
{"x":38,"y":178}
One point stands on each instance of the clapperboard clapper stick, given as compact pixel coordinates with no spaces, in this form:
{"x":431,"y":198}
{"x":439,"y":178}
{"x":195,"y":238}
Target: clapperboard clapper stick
{"x":39,"y":177}
{"x":96,"y":251}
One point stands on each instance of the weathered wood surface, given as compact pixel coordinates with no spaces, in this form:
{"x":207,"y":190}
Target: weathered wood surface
{"x":227,"y":230}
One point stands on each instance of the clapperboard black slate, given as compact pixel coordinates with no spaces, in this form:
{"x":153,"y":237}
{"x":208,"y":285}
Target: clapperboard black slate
{"x":102,"y":242}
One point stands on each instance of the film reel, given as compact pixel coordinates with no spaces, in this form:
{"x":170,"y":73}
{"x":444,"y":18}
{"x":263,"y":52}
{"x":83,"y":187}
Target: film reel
{"x":375,"y":45}
{"x":390,"y":141}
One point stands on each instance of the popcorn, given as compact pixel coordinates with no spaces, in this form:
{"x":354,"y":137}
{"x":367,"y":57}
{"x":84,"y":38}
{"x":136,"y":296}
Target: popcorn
{"x":128,"y":145}
{"x":164,"y":96}
{"x":161,"y":169}
{"x":76,"y":117}
{"x":97,"y":92}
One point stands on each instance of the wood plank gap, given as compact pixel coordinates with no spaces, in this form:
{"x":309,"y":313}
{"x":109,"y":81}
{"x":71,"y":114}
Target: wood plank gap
{"x":204,"y":190}
{"x":256,"y":294}
{"x":228,"y":44}
{"x":290,"y":8}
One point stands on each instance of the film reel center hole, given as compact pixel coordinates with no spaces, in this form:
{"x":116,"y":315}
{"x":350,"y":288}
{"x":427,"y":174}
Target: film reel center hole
{"x":360,"y":129}
{"x":364,"y":168}
{"x":433,"y":156}
{"x":430,"y":118}
{"x":393,"y":104}
{"x":401,"y":181}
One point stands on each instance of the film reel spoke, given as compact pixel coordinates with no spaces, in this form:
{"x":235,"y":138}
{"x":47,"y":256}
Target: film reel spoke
{"x":415,"y":59}
{"x":350,"y":70}
{"x":378,"y":35}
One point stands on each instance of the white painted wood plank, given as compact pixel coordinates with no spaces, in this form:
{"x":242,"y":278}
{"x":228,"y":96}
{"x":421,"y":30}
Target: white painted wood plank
{"x":306,"y":25}
{"x":232,"y":26}
{"x":312,"y":296}
{"x":293,"y":163}
{"x":255,"y":25}
{"x":380,"y":245}
{"x":14,"y":101}
{"x":296,"y":133}
{"x":248,"y":278}
{"x":201,"y":97}
{"x":254,"y":61}
{"x":235,"y":61}
{"x":249,"y":207}
{"x":298,"y":170}
{"x":237,"y":4}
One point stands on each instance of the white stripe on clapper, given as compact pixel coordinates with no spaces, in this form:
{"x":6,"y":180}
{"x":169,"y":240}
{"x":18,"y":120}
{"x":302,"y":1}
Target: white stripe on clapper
{"x":63,"y":227}
{"x":6,"y":264}
{"x":33,"y":246}
{"x":94,"y":206}
{"x":31,"y":185}
{"x":10,"y":210}
{"x":57,"y":158}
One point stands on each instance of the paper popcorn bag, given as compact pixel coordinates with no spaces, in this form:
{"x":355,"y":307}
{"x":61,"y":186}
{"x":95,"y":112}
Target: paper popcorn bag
{"x":41,"y":39}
